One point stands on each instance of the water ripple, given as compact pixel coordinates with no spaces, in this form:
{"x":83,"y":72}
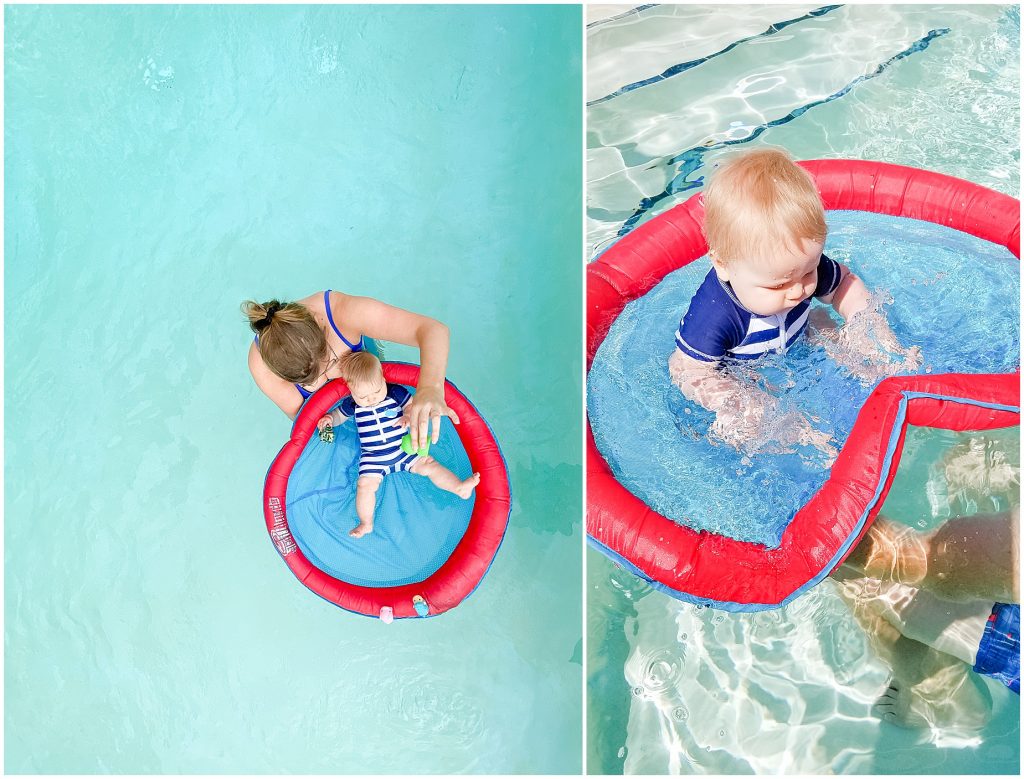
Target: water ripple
{"x":745,"y":705}
{"x":682,"y":67}
{"x":692,"y":160}
{"x":624,"y":15}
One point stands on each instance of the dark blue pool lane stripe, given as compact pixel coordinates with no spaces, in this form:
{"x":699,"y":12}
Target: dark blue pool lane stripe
{"x":630,"y":12}
{"x":682,"y":67}
{"x":693,"y":159}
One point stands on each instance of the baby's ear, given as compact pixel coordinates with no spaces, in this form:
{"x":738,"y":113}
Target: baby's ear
{"x":720,"y":267}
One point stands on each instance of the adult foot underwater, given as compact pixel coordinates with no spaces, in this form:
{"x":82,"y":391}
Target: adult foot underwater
{"x":299,"y":345}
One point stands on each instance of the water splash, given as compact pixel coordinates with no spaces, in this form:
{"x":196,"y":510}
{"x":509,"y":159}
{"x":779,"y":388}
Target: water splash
{"x":155,"y":76}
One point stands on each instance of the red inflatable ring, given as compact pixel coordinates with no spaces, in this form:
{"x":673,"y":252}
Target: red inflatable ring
{"x":713,"y":570}
{"x":459,"y":575}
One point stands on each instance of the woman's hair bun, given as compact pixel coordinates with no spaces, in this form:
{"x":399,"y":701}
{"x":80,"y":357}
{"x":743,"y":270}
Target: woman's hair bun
{"x":261,"y":314}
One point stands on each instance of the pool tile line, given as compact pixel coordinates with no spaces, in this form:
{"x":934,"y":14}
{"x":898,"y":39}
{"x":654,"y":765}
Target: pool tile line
{"x":682,"y":67}
{"x":631,"y":12}
{"x":693,"y":159}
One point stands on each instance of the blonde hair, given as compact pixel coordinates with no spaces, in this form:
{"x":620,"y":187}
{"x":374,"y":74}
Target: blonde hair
{"x":360,"y":367}
{"x":290,"y":341}
{"x":760,"y":199}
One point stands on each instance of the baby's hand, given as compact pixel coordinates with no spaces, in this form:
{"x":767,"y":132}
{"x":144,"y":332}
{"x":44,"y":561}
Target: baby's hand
{"x":741,"y":419}
{"x":867,"y":347}
{"x":808,"y":435}
{"x":761,"y":428}
{"x":326,"y":428}
{"x":732,"y":431}
{"x":912,"y":359}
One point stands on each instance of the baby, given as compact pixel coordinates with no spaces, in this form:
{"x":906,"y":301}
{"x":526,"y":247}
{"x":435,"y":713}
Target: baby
{"x":765,"y":228}
{"x":377,"y":407}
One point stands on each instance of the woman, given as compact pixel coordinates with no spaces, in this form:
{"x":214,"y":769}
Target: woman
{"x":954,"y":590}
{"x":298,"y":347}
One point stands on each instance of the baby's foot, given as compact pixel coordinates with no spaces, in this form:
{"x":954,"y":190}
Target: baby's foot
{"x":465,"y":488}
{"x":362,"y":529}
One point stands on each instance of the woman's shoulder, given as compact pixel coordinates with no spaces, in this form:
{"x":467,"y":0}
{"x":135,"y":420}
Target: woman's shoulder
{"x":257,"y":367}
{"x":316,"y":302}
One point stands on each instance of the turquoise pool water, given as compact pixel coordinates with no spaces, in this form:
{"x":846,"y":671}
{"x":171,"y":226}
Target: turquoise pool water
{"x":676,"y":689}
{"x":163,"y":164}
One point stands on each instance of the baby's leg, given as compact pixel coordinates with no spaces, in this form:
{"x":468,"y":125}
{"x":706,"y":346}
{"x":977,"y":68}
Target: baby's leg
{"x":746,"y":418}
{"x":966,"y":558}
{"x":445,"y":479}
{"x":366,"y":502}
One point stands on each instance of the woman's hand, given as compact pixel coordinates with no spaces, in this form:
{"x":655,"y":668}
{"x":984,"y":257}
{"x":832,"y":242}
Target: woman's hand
{"x":426,"y":405}
{"x":387,"y":323}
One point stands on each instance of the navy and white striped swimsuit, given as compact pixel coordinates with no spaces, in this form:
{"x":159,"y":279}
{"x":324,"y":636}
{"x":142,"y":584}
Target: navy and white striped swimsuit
{"x":717,"y":325}
{"x":380,"y":434}
{"x":358,"y":346}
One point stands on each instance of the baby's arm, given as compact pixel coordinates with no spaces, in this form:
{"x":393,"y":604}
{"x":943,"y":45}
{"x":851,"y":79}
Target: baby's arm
{"x":335,"y":419}
{"x":866,"y":331}
{"x":705,"y":383}
{"x":851,"y":296}
{"x":742,"y":411}
{"x":338,"y":417}
{"x":852,"y":299}
{"x":403,"y":397}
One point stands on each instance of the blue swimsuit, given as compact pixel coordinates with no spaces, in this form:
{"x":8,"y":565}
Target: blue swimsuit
{"x":717,"y":325}
{"x":380,"y":434}
{"x":355,"y":347}
{"x":999,"y":651}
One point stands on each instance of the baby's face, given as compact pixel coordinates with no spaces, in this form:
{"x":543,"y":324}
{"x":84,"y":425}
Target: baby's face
{"x":777,"y":282}
{"x":369,"y":393}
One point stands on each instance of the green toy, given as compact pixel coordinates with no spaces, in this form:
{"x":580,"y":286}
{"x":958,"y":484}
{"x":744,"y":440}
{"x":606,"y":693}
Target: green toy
{"x":327,"y":434}
{"x":407,"y":446}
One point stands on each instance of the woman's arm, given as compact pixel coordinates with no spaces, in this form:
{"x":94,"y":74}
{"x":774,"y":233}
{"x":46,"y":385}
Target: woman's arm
{"x":283,"y":393}
{"x":381,"y":321}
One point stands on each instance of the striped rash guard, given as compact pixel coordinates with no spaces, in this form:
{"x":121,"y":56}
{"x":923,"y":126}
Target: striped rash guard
{"x":381,"y":432}
{"x":716,"y":325}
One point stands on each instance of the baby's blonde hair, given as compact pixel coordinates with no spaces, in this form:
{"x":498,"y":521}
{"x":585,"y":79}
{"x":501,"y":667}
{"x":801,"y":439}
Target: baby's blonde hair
{"x":360,"y":367}
{"x":757,"y":200}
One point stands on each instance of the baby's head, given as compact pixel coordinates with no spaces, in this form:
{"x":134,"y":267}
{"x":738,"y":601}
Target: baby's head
{"x":365,"y":378}
{"x":765,"y":227}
